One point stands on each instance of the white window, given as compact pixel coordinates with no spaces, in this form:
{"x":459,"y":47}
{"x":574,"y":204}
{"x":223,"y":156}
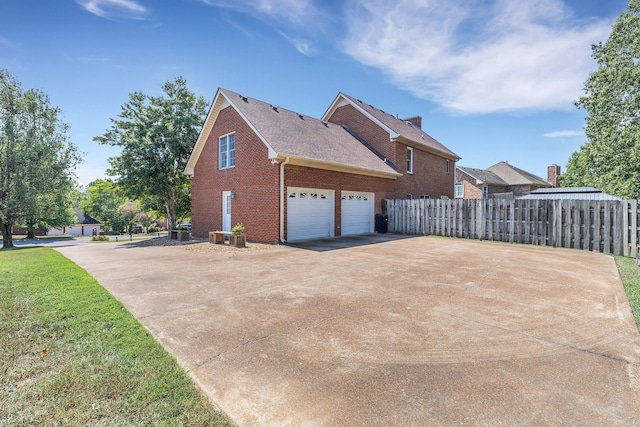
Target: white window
{"x":227,"y":150}
{"x":409,"y":160}
{"x":409,"y":196}
{"x":458,"y":190}
{"x":425,"y":196}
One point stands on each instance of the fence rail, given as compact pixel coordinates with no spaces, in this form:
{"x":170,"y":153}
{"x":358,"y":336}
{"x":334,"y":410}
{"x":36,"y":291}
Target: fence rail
{"x":601,"y":226}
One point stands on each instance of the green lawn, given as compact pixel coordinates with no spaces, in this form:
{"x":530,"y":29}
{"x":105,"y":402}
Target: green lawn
{"x":72,"y":355}
{"x":630,"y":273}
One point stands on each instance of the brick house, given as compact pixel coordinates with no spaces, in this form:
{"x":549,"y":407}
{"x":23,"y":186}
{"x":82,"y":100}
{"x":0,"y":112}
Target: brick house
{"x":501,"y":180}
{"x":286,"y":176}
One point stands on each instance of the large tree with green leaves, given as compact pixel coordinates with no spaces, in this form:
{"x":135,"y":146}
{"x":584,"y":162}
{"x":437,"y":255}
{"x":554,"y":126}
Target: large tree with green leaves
{"x":610,"y":159}
{"x":157,"y":135}
{"x":36,"y":160}
{"x":101,"y":201}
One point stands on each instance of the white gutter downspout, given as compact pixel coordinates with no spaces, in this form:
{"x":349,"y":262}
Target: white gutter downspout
{"x":282,"y":199}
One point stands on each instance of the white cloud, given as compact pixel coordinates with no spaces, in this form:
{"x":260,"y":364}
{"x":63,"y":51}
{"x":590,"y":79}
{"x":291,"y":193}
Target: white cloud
{"x":302,"y":45}
{"x":296,"y":12}
{"x":477,"y":56}
{"x":563,"y":133}
{"x":114,"y":8}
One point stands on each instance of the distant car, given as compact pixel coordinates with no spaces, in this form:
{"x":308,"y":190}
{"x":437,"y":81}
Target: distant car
{"x":186,"y":224}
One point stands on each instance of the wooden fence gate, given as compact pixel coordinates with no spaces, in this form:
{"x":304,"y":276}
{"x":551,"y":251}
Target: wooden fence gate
{"x":600,"y":226}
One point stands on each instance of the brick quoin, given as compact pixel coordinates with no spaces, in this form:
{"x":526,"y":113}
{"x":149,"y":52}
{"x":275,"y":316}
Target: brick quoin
{"x":256,"y":181}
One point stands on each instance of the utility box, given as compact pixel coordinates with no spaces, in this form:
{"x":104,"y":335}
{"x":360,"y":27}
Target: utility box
{"x":382,"y":223}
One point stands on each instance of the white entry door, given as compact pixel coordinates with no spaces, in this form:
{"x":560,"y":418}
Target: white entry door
{"x":310,"y":213}
{"x":226,"y":211}
{"x":357,"y":213}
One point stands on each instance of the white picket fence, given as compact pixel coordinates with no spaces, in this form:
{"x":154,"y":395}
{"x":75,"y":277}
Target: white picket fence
{"x":600,"y":226}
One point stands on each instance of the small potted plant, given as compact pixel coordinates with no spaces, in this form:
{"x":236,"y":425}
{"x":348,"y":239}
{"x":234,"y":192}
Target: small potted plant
{"x":238,"y":238}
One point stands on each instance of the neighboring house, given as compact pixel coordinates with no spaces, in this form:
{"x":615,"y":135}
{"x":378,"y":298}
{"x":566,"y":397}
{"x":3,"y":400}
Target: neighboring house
{"x":84,"y":226}
{"x":501,"y":180}
{"x":286,"y":176}
{"x":571,"y":193}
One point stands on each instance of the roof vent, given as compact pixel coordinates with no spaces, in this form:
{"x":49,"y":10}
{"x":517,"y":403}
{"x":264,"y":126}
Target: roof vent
{"x":274,"y":108}
{"x":325,"y":123}
{"x":410,"y":124}
{"x":371,"y":106}
{"x":244,"y":98}
{"x":358,"y":100}
{"x":301,"y":116}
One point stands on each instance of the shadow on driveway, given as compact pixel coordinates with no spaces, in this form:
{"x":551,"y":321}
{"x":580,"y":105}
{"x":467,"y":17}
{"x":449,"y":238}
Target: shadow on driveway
{"x":333,"y":243}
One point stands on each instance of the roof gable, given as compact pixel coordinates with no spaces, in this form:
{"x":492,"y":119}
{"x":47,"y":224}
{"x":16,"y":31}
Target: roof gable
{"x":483,"y":176}
{"x":504,"y":174}
{"x":303,"y":139}
{"x":517,"y":176}
{"x":402,"y":130}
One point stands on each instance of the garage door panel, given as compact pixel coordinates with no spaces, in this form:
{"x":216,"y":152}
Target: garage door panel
{"x":357,"y":212}
{"x":309,"y":213}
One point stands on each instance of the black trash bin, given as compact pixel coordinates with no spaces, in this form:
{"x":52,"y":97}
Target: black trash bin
{"x":382,"y":223}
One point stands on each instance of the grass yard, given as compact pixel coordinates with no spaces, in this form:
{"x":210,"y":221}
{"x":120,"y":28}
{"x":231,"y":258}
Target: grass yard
{"x":630,"y":273}
{"x":70,"y":354}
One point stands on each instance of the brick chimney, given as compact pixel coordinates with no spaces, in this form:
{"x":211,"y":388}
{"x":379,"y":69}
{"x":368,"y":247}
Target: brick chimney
{"x":416,"y":121}
{"x":553,"y":173}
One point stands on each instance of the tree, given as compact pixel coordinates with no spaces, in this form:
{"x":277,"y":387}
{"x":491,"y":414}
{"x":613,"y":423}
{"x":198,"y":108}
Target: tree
{"x":610,"y":159}
{"x":36,"y":160}
{"x":101,"y":201}
{"x":157,"y":135}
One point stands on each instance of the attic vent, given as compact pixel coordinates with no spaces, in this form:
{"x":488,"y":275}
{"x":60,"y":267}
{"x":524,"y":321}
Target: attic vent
{"x":301,"y":116}
{"x":244,"y":98}
{"x":325,"y":123}
{"x":274,"y":108}
{"x":371,"y":106}
{"x":410,"y":124}
{"x":383,"y":112}
{"x":358,"y":100}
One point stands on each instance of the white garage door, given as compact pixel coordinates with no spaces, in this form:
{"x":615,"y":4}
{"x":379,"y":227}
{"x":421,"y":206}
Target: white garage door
{"x":357,"y":213}
{"x":310,"y":213}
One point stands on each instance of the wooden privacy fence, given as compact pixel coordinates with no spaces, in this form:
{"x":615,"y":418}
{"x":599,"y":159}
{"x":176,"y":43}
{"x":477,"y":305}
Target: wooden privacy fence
{"x":602,"y":226}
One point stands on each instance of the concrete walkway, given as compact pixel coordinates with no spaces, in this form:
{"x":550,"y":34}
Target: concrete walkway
{"x":408,"y":332}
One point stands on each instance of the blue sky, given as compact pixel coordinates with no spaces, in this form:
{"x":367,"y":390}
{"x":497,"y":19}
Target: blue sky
{"x":493,"y":80}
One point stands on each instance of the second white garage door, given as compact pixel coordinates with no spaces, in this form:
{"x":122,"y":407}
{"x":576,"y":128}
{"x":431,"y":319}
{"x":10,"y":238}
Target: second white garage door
{"x":357,"y":213}
{"x":310,"y":213}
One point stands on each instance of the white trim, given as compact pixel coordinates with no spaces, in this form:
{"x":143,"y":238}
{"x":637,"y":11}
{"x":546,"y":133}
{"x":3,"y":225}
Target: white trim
{"x":410,"y":161}
{"x":282,"y":199}
{"x":337,"y":103}
{"x":220,"y":101}
{"x":227,"y":151}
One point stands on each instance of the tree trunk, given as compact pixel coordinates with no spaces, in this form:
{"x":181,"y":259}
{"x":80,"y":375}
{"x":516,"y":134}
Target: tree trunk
{"x":170,"y":204}
{"x":7,"y":237}
{"x":30,"y":234}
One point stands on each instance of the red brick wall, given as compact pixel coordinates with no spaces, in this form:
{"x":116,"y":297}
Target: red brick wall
{"x":375,"y":136}
{"x":429,"y":171}
{"x":254,"y":179}
{"x":471,"y":189}
{"x":298,"y":176}
{"x":429,"y":178}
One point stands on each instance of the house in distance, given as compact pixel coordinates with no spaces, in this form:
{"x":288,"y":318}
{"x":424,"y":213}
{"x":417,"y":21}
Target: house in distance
{"x":287,"y":176}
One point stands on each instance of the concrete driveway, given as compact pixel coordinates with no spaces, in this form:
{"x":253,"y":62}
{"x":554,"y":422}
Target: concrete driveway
{"x":412,"y":332}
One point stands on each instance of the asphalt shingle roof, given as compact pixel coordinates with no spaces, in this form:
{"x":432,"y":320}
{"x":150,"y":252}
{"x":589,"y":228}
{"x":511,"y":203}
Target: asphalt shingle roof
{"x":516,"y":176}
{"x":404,"y":128}
{"x":484,"y":176}
{"x":296,"y":135}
